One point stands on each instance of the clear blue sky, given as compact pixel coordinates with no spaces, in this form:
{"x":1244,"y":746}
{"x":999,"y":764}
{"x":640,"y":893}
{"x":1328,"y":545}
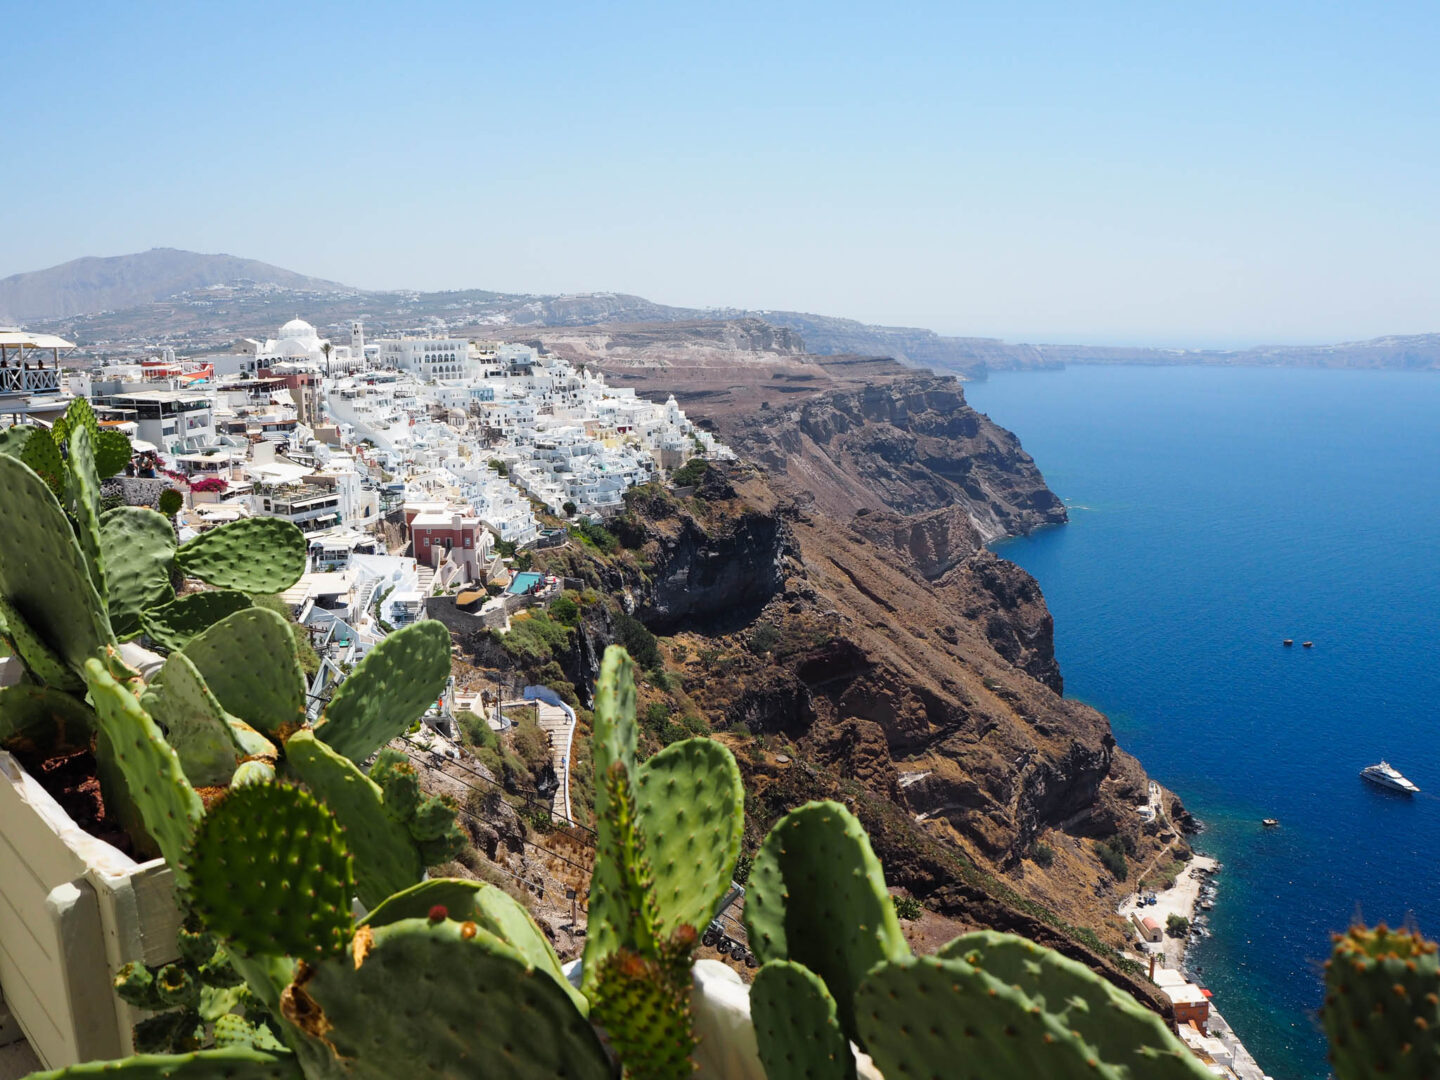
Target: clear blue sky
{"x":1190,"y":174}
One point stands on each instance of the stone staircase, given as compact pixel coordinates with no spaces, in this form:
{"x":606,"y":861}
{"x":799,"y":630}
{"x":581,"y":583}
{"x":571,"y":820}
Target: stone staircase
{"x":556,"y":723}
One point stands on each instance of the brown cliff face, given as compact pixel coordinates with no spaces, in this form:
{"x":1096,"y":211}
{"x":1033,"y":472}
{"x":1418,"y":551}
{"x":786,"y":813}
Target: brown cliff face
{"x":907,"y":442}
{"x":894,"y":661}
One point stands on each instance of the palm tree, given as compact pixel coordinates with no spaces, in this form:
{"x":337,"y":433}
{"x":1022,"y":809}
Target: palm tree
{"x":325,"y":348}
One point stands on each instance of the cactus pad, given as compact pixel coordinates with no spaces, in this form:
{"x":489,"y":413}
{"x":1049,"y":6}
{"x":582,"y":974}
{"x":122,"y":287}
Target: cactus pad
{"x":153,"y":775}
{"x":112,"y":452}
{"x":255,"y":555}
{"x":14,"y":438}
{"x":43,"y":721}
{"x":615,"y":727}
{"x":135,"y":985}
{"x":79,"y":413}
{"x":39,"y":659}
{"x":492,"y":908}
{"x":42,"y":453}
{"x":138,"y":547}
{"x":691,"y":804}
{"x":400,"y":783}
{"x":817,"y":896}
{"x":248,"y":661}
{"x":195,"y":724}
{"x":232,"y":1063}
{"x":455,"y":895}
{"x":613,"y":746}
{"x":385,"y":857}
{"x":933,"y":1017}
{"x":171,"y":626}
{"x":441,"y":998}
{"x":83,"y":488}
{"x":388,"y":690}
{"x":1382,"y":1005}
{"x":644,"y":1006}
{"x":796,"y":1029}
{"x":1119,"y":1028}
{"x":270,"y":874}
{"x":42,"y":571}
{"x":622,"y":911}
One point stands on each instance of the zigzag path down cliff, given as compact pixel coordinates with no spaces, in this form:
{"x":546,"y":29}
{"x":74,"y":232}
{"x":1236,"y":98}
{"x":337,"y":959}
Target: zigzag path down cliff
{"x":829,"y":610}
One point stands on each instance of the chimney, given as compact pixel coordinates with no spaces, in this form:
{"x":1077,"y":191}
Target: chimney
{"x":1152,"y":967}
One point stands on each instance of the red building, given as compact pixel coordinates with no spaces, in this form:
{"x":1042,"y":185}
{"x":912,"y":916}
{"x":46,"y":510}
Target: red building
{"x":437,"y":537}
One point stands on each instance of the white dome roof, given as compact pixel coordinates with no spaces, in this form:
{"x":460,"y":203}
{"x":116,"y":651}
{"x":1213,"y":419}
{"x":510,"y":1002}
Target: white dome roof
{"x":297,"y":328}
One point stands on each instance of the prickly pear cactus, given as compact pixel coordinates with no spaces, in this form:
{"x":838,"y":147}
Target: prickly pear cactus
{"x":1382,"y":1005}
{"x":690,"y":800}
{"x":153,"y":774}
{"x":644,"y":1004}
{"x":388,"y":690}
{"x":254,"y":555}
{"x":934,"y":1017}
{"x":138,"y":547}
{"x":172,"y":626}
{"x":614,"y":746}
{"x":440,"y":997}
{"x":43,"y":573}
{"x":195,"y":724}
{"x":491,"y":908}
{"x":248,"y":661}
{"x":41,"y":662}
{"x":817,"y":896}
{"x":386,"y":860}
{"x":796,"y":1027}
{"x":1121,"y":1030}
{"x":112,"y":452}
{"x":83,"y":490}
{"x":269,"y":873}
{"x":43,"y":455}
{"x":429,"y":819}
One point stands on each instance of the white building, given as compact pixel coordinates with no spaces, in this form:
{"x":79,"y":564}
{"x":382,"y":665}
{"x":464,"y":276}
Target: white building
{"x":298,"y":342}
{"x":429,"y":358}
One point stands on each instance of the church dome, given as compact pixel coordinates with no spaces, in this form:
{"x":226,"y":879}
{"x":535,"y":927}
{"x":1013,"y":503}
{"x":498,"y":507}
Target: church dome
{"x":297,"y":328}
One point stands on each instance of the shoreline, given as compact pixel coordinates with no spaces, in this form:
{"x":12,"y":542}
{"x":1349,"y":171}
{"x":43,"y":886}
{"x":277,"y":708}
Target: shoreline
{"x":1181,"y":899}
{"x":1214,"y":1040}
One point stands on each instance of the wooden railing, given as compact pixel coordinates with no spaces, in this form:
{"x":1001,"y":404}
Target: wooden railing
{"x":34,"y":381}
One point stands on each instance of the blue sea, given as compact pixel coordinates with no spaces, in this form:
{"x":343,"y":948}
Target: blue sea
{"x":1213,"y":513}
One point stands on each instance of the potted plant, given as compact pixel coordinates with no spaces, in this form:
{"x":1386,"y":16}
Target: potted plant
{"x":76,"y":588}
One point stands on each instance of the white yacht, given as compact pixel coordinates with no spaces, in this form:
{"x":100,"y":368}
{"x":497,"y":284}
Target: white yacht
{"x":1386,"y":775}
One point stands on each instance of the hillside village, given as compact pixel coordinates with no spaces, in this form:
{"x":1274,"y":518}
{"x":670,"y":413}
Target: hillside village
{"x":458,"y":446}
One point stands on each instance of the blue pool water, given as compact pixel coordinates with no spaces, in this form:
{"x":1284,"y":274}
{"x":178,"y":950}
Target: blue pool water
{"x":522,"y":581}
{"x":1215,"y":512}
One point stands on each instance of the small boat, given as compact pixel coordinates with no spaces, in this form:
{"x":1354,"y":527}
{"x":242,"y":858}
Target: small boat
{"x":1288,"y":642}
{"x":1387,"y":776}
{"x":1307,"y":644}
{"x":1270,"y":822}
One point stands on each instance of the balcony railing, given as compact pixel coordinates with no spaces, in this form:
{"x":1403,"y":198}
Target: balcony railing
{"x":35,"y":381}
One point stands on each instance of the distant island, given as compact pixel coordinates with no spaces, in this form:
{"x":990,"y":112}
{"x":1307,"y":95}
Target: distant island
{"x":201,"y":302}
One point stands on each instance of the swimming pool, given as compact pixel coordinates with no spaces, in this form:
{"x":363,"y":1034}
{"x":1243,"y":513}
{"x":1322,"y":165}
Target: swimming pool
{"x":522,"y":582}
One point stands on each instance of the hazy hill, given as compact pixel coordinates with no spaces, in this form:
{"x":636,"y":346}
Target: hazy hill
{"x":125,"y":281}
{"x":168,"y":297}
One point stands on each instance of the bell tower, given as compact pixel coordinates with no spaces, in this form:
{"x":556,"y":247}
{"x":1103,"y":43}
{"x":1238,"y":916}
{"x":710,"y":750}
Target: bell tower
{"x":357,"y":343}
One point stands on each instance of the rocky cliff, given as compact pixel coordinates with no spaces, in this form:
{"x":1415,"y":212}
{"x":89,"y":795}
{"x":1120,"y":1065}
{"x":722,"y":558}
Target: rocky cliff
{"x":828,"y":607}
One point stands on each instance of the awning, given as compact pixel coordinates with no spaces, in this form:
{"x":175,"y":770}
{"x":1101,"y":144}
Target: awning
{"x":20,"y":339}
